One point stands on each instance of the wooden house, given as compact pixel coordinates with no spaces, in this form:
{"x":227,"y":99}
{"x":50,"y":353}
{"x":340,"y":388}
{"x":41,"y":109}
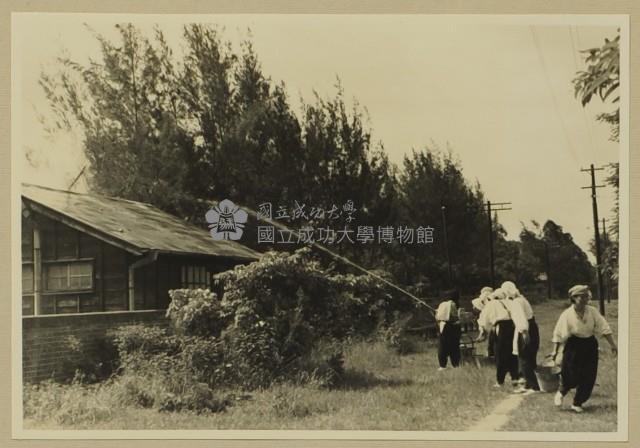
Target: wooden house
{"x":84,"y":253}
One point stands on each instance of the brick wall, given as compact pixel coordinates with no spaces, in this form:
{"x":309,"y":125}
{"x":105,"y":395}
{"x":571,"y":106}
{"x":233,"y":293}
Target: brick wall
{"x":46,"y":352}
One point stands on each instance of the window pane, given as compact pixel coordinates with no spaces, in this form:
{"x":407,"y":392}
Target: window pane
{"x":80,"y":269}
{"x":27,"y":278}
{"x":27,"y":306}
{"x":194,"y":277}
{"x":85,"y":282}
{"x":190,"y":275}
{"x":56,"y":276}
{"x":74,"y":283}
{"x":27,"y":241}
{"x":68,"y":276}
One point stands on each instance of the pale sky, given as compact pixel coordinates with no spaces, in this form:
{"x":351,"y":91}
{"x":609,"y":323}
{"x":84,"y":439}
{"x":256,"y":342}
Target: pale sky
{"x":503,"y":104}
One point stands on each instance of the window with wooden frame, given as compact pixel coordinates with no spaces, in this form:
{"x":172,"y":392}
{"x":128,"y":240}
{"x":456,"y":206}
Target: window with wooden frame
{"x":70,"y":276}
{"x":27,"y":268}
{"x":193,"y":277}
{"x":27,"y":289}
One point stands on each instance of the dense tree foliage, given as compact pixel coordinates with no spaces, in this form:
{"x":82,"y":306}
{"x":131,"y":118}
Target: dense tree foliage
{"x":549,"y":247}
{"x":178,"y":129}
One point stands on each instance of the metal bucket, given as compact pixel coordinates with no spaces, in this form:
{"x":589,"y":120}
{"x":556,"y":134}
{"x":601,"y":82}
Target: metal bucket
{"x":548,"y":377}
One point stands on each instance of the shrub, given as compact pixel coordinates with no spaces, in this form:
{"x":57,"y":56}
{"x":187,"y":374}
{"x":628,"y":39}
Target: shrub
{"x":396,"y":337}
{"x":144,"y":339}
{"x":167,"y":383}
{"x":169,"y":372}
{"x":91,"y":361}
{"x":272,"y":315}
{"x":279,"y":307}
{"x":195,"y":312}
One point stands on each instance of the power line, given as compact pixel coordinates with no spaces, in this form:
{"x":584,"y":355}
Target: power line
{"x":296,"y":234}
{"x":553,"y":95}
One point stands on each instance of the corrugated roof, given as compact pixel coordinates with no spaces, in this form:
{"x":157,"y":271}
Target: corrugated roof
{"x":137,"y":226}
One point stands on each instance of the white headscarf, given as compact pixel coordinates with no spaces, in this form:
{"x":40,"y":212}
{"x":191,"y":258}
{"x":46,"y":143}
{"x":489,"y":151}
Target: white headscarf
{"x":479,"y":302}
{"x":510,"y":289}
{"x":498,"y":294}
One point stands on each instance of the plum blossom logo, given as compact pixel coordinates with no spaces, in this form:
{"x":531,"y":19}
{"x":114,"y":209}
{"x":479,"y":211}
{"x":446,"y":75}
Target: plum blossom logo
{"x":226,"y":221}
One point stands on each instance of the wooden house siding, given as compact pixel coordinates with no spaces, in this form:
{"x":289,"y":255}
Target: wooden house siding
{"x":63,"y":246}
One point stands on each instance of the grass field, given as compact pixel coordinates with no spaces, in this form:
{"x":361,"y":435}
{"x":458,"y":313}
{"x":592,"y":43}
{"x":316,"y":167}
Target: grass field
{"x":381,"y":391}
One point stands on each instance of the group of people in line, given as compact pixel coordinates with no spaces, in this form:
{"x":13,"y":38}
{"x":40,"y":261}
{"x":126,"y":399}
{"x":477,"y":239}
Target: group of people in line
{"x":507,"y":319}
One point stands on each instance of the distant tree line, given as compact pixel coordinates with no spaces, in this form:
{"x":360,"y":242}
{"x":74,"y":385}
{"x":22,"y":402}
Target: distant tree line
{"x":207,"y":124}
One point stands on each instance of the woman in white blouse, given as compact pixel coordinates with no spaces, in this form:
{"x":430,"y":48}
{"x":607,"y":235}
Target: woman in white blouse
{"x":495,"y":315}
{"x":526,"y":338}
{"x":576,"y":329}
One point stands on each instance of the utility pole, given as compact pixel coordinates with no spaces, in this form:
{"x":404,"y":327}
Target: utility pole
{"x":501,"y":207}
{"x":548,"y":266}
{"x":547,"y":259}
{"x":443,"y":209}
{"x":77,"y":177}
{"x":607,"y":279}
{"x":596,"y":231}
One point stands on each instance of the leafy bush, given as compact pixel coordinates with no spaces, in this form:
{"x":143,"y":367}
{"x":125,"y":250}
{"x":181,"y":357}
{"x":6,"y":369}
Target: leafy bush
{"x":170,"y":372}
{"x":270,"y":319}
{"x":195,"y":312}
{"x":144,"y":339}
{"x":91,"y":361}
{"x":168,"y":382}
{"x":279,"y":308}
{"x":396,"y":336}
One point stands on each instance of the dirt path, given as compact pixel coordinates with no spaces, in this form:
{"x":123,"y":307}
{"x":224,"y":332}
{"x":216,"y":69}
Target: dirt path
{"x":499,"y":415}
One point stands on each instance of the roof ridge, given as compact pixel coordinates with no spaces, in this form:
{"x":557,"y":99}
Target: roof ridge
{"x":113,"y":198}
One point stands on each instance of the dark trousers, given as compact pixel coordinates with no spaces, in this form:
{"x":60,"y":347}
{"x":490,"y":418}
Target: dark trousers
{"x":527,"y":354}
{"x":449,"y":344}
{"x":491,"y":344}
{"x":506,"y":361}
{"x":579,"y":367}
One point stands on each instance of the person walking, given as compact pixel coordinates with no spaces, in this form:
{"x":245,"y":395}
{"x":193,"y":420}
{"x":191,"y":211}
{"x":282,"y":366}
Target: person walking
{"x":526,"y":337}
{"x":449,"y":331}
{"x":495,"y":314}
{"x":577,"y":328}
{"x":478,"y":304}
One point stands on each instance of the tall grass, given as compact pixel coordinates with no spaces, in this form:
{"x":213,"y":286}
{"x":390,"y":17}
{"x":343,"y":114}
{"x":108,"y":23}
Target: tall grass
{"x":379,"y":389}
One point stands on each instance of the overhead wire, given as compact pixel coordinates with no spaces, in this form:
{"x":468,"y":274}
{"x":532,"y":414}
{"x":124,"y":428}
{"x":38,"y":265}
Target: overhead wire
{"x":337,"y":256}
{"x":588,"y":124}
{"x":553,"y":95}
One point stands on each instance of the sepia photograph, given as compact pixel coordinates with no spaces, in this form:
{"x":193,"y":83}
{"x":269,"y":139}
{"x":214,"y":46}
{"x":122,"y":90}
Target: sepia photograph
{"x":320,"y":225}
